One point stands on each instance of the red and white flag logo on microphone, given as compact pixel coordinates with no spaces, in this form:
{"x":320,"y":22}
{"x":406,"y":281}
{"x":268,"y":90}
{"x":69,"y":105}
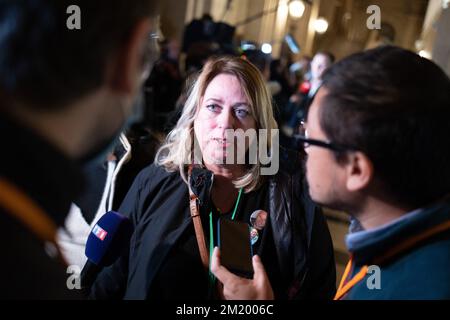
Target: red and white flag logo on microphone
{"x":99,"y":232}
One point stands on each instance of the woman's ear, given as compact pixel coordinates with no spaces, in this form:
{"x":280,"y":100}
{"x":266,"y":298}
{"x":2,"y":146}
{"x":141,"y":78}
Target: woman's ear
{"x":127,"y":66}
{"x":359,"y":171}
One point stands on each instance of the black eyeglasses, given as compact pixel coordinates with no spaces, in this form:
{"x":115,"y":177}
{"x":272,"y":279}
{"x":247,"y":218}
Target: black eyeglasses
{"x":302,"y":137}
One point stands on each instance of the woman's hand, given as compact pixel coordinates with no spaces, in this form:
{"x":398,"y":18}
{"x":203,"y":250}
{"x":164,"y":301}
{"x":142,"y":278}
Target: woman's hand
{"x":237,"y":288}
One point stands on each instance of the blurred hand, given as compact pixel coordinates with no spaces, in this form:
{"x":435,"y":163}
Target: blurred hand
{"x":237,"y":288}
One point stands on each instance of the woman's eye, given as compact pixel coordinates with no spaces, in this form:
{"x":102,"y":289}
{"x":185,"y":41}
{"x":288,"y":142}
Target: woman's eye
{"x":242,"y":113}
{"x":213,"y":107}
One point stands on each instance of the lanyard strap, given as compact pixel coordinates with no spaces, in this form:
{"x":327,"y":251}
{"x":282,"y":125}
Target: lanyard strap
{"x":19,"y":205}
{"x":345,"y":286}
{"x":212,"y":278}
{"x":27,"y":212}
{"x":237,"y":203}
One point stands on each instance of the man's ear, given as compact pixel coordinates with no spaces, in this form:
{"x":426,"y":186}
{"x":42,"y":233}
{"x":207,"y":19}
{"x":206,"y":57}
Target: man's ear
{"x":128,"y":63}
{"x":359,"y":171}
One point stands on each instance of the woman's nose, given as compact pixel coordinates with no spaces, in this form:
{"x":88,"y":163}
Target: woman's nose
{"x":226,"y":119}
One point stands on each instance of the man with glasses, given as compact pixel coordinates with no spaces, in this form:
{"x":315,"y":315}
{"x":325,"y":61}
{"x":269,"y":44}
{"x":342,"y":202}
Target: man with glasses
{"x":377,"y":141}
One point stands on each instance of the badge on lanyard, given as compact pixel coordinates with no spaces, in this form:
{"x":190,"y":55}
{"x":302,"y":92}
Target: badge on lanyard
{"x":254,"y":236}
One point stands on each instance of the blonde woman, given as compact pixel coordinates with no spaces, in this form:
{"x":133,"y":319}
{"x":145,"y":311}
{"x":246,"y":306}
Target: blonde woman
{"x":293,"y":244}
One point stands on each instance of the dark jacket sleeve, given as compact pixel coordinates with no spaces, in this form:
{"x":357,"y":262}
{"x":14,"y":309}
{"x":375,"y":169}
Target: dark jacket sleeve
{"x":111,"y":282}
{"x":320,"y":280}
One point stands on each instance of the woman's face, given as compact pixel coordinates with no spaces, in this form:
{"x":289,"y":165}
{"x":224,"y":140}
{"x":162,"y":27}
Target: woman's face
{"x":224,"y":106}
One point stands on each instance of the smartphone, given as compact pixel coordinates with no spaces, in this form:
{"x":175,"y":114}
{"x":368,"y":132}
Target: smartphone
{"x":235,"y":247}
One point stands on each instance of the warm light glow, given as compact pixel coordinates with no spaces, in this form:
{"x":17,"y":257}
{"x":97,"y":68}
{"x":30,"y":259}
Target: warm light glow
{"x":266,"y":48}
{"x":418,"y":44}
{"x":425,"y":54}
{"x":296,"y":9}
{"x":321,"y":25}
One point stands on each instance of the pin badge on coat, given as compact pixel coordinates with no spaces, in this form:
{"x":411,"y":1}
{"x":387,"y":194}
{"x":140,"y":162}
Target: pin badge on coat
{"x":258,"y":221}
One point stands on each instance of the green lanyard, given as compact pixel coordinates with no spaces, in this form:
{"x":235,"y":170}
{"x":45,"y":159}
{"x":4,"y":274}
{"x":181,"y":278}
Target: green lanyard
{"x":212,"y":278}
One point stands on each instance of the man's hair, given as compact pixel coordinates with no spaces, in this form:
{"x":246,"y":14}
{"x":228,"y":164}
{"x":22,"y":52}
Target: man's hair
{"x":394,"y":106}
{"x":46,"y":65}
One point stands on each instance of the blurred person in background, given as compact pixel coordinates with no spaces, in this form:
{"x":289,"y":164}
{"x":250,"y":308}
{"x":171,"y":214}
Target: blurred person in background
{"x":203,"y":38}
{"x":105,"y":187}
{"x":263,"y":61}
{"x":280,"y":73}
{"x":299,"y":103}
{"x":165,"y":83}
{"x":95,"y":200}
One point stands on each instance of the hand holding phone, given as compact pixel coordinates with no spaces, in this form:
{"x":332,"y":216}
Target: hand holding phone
{"x":237,"y":288}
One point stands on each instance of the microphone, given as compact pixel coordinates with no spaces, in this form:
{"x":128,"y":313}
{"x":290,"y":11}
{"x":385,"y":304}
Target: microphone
{"x":107,"y":241}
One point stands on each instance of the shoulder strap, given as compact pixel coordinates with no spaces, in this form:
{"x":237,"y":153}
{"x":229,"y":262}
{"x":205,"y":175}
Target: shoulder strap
{"x":195,"y":214}
{"x":26,"y":211}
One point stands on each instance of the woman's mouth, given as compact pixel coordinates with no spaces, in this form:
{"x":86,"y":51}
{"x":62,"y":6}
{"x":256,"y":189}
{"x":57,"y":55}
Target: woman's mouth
{"x":222,"y":142}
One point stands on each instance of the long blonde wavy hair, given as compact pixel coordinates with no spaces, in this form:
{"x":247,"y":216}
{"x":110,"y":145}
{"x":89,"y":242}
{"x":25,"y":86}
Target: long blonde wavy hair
{"x":177,"y":151}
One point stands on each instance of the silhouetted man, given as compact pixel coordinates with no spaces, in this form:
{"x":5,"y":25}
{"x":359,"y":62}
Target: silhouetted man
{"x":64,"y":98}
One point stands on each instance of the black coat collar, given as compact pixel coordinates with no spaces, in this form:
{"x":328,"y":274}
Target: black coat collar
{"x":201,"y":183}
